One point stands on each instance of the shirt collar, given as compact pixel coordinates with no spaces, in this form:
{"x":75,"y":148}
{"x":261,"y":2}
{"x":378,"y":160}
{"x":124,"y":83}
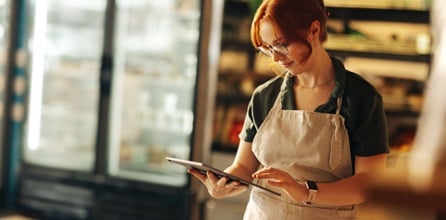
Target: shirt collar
{"x":340,"y":78}
{"x":338,"y":91}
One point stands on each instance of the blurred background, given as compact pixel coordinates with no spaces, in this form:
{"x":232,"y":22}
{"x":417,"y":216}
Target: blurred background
{"x":95,"y":94}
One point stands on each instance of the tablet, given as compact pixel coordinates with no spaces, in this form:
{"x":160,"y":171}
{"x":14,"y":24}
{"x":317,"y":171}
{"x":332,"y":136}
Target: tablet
{"x":203,"y":168}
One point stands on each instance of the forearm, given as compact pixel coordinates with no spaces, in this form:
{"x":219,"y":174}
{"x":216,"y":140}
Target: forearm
{"x":245,"y":163}
{"x":351,"y":190}
{"x":240,"y":171}
{"x":348,"y":191}
{"x":343,"y":192}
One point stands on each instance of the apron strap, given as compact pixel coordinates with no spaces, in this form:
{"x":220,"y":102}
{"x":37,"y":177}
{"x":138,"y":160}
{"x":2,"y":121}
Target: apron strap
{"x":283,"y":89}
{"x":339,"y":104}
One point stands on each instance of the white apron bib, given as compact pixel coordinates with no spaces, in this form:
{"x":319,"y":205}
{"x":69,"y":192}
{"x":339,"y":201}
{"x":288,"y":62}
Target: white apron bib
{"x":308,"y":145}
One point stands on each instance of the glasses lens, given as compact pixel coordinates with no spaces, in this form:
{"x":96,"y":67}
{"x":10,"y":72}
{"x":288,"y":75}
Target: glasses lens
{"x":266,"y":51}
{"x":269,"y":51}
{"x":281,"y":49}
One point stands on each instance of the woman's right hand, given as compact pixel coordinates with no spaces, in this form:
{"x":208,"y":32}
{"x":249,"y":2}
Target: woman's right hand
{"x":218,"y":188}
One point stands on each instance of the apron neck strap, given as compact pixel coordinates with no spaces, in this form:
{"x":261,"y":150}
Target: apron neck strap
{"x":283,"y":89}
{"x":339,"y":104}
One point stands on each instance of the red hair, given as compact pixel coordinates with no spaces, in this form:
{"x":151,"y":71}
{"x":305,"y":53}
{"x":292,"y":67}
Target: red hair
{"x":292,"y":19}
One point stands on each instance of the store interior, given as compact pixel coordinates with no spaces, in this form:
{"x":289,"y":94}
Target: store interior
{"x":391,"y":43}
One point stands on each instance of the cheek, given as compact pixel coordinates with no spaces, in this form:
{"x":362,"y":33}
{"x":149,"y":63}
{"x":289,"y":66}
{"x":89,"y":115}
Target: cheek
{"x":300,"y":65}
{"x":298,"y":53}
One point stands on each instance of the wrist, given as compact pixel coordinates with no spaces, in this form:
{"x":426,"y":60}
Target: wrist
{"x":312,"y":190}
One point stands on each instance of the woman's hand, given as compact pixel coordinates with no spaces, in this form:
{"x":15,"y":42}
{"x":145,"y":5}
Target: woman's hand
{"x":218,"y":188}
{"x":279,"y":178}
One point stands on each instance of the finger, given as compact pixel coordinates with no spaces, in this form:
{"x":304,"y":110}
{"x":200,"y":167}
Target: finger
{"x":233,"y":184}
{"x":265,"y":175}
{"x":211,"y":177}
{"x":240,"y":187}
{"x":237,"y":190}
{"x":266,"y":169}
{"x":276,"y":182}
{"x":222,"y":181}
{"x":263,"y":171}
{"x":271,"y":173}
{"x":197,"y":174}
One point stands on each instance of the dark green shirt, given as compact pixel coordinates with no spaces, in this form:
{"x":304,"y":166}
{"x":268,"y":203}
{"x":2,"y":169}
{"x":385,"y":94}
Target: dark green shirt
{"x":362,"y":108}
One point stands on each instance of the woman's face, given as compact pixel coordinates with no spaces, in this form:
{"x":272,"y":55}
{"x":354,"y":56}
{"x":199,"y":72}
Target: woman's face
{"x":296,"y":51}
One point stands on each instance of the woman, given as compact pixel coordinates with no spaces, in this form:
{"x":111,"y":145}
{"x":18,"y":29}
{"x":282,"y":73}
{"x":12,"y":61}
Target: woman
{"x":314,"y":132}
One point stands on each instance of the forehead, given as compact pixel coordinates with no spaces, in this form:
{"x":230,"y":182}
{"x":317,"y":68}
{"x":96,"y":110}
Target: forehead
{"x":269,"y":33}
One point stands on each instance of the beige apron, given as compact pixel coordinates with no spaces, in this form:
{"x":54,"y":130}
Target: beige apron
{"x":310,"y":146}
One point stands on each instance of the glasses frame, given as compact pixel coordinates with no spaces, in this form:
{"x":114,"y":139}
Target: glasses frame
{"x":269,"y":51}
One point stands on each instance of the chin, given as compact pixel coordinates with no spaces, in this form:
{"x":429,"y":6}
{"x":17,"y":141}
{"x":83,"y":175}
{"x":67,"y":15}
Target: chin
{"x":294,"y":72}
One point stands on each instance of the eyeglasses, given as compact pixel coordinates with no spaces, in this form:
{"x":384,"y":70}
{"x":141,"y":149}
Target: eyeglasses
{"x":270,"y":50}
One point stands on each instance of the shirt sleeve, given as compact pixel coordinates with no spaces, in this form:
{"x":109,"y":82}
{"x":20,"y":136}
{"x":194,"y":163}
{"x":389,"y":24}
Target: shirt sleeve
{"x":249,"y":129}
{"x":261,"y":102}
{"x":371,"y":136}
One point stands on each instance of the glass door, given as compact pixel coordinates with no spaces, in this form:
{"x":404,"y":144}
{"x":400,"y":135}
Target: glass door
{"x":153,"y":91}
{"x":4,"y":46}
{"x":65,"y":47}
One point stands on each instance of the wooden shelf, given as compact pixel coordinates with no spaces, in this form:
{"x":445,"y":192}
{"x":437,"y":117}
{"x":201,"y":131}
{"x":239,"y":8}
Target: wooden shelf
{"x":380,"y":14}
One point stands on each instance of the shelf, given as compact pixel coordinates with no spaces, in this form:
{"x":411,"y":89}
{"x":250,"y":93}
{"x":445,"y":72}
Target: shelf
{"x":380,"y":14}
{"x":236,"y":7}
{"x":387,"y":68}
{"x":235,"y":44}
{"x":175,"y":83}
{"x":402,"y":113}
{"x":84,"y":5}
{"x":402,"y":57}
{"x":233,"y":98}
{"x":159,"y":167}
{"x":416,"y":5}
{"x":354,"y":43}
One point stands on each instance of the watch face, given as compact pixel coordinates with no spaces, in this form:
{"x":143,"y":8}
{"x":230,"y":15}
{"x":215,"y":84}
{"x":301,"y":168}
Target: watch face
{"x":311,"y":185}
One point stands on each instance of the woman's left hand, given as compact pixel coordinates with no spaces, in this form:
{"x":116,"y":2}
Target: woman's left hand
{"x":282,"y":179}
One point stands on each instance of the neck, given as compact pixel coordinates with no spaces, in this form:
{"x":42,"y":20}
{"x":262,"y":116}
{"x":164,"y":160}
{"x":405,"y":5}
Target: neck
{"x":315,"y":85}
{"x":321,"y":74}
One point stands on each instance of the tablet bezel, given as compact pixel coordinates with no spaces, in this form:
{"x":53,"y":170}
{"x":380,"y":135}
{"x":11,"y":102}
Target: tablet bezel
{"x":203,"y":168}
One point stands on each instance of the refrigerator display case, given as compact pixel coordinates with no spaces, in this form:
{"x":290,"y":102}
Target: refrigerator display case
{"x":65,"y":55}
{"x":154,"y":88}
{"x":4,"y":33}
{"x":115,"y":86}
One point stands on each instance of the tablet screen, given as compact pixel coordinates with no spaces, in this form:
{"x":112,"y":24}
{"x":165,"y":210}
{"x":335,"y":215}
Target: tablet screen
{"x":203,"y":168}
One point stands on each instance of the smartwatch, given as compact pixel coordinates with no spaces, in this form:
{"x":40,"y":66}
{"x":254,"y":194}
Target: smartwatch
{"x":312,"y":191}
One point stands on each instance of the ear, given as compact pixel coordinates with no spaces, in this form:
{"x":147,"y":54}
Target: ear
{"x":314,"y":30}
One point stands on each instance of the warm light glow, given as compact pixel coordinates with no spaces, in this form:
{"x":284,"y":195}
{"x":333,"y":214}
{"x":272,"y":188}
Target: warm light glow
{"x":430,"y":141}
{"x":35,"y":99}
